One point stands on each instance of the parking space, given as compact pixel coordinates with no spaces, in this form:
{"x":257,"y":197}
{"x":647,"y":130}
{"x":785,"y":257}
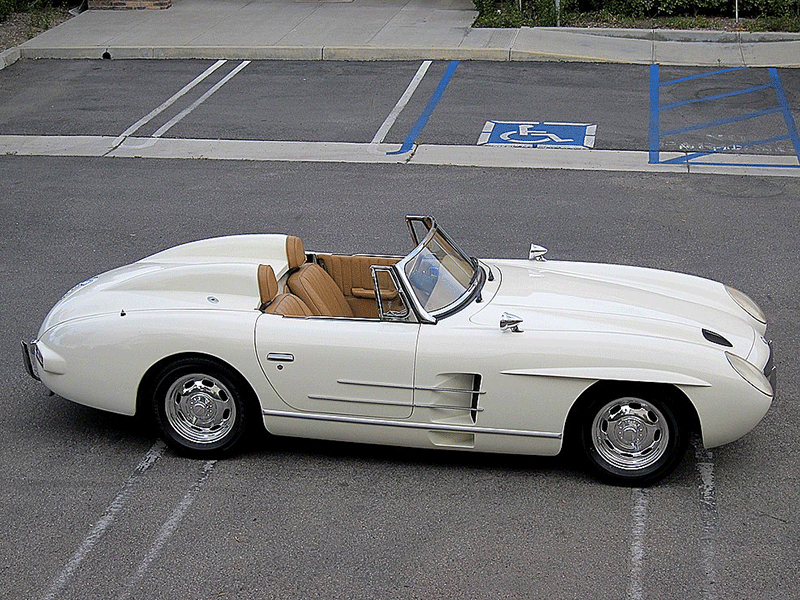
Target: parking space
{"x":704,"y":115}
{"x":548,"y":92}
{"x":59,"y":97}
{"x":303,"y":101}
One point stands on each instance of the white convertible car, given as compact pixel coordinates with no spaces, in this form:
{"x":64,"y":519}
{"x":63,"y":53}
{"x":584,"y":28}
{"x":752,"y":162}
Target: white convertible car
{"x":218,"y":338}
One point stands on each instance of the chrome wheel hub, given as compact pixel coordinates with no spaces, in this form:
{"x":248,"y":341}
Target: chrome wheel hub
{"x":200,"y":408}
{"x":630,"y":433}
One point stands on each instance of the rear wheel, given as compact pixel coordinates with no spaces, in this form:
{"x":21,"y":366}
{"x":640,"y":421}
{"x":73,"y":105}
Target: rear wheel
{"x":632,"y":437}
{"x":200,"y":407}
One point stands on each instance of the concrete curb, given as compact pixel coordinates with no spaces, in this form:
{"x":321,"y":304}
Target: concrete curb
{"x":9,"y":57}
{"x":343,"y":53}
{"x":782,"y":54}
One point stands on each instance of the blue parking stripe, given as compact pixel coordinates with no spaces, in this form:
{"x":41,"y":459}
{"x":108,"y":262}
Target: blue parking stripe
{"x":655,"y":108}
{"x":654,"y":140}
{"x":787,"y":113}
{"x":408,"y":144}
{"x":701,"y":75}
{"x":706,"y":125}
{"x":757,"y":165}
{"x":749,"y":90}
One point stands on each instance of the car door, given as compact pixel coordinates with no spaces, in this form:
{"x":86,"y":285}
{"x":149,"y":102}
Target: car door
{"x":356,"y":367}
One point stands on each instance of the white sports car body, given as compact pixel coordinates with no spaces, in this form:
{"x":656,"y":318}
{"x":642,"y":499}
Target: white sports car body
{"x":431,"y":350}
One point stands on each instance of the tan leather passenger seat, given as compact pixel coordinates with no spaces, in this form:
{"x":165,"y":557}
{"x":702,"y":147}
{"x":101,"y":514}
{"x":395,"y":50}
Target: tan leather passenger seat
{"x":280,"y":304}
{"x":312,"y":284}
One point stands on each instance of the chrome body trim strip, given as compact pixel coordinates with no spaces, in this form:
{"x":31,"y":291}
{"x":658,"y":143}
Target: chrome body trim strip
{"x":390,"y":403}
{"x":401,"y":386}
{"x":358,"y":401}
{"x":411,"y":425}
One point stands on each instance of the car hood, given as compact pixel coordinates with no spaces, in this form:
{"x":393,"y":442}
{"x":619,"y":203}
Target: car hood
{"x":592,"y":297}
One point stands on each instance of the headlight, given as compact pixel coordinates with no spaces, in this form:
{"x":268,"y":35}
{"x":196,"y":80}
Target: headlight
{"x":750,"y":374}
{"x":747,"y":304}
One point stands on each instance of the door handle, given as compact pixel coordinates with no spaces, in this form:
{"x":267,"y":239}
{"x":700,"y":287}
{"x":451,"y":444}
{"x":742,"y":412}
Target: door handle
{"x":280,"y":357}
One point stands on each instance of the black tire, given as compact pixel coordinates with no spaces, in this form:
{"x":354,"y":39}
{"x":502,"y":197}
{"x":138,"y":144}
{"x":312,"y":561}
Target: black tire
{"x":632,"y":436}
{"x":201,"y":408}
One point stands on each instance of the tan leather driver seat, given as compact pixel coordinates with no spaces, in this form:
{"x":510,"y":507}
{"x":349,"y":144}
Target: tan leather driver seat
{"x":274,"y":303}
{"x":312,"y":284}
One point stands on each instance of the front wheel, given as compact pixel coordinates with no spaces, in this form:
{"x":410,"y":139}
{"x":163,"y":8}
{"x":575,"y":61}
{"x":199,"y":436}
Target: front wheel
{"x":199,"y":407}
{"x":632,"y":437}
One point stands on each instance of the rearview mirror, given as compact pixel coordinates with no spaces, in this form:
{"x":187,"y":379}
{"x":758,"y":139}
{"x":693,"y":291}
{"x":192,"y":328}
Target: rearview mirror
{"x":537,"y":252}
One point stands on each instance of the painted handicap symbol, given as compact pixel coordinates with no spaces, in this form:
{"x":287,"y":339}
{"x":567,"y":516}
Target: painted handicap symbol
{"x":536,"y":133}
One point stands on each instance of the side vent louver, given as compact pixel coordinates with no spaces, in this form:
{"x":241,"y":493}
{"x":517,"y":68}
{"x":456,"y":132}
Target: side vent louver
{"x":716,"y":338}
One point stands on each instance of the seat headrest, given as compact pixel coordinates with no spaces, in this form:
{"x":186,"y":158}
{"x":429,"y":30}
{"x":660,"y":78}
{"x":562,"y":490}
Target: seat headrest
{"x":295,"y":253}
{"x":267,"y":284}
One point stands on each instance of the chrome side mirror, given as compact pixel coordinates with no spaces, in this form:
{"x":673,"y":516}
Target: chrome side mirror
{"x":537,"y":252}
{"x":509,"y":322}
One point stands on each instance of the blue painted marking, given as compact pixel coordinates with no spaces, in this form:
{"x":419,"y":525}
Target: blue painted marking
{"x":759,"y":165}
{"x":655,"y":109}
{"x":538,"y":133}
{"x":787,"y":113}
{"x":654,"y":140}
{"x":701,"y":75}
{"x":408,"y":144}
{"x":688,"y":157}
{"x":708,"y":124}
{"x":757,"y":88}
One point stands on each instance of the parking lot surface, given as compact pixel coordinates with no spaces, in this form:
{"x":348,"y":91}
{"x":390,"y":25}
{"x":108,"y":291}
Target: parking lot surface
{"x":95,"y":507}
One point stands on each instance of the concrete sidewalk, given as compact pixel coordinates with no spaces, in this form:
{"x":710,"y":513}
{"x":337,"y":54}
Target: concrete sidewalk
{"x":380,"y":30}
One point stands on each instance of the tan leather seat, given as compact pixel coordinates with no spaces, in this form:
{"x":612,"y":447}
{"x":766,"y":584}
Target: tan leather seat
{"x":312,"y":284}
{"x":278,"y":304}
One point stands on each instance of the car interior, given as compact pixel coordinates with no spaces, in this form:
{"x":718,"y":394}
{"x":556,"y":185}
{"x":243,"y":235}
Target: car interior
{"x":332,"y":285}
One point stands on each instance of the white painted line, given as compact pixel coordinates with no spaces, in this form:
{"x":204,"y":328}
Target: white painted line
{"x":401,"y":104}
{"x":486,"y":132}
{"x":167,"y":529}
{"x":169,"y":124}
{"x":708,"y":514}
{"x":346,"y":152}
{"x":638,"y":530}
{"x":157,"y":111}
{"x":105,"y":521}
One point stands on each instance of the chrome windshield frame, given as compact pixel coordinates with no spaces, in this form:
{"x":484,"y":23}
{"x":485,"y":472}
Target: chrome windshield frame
{"x":477,"y":279}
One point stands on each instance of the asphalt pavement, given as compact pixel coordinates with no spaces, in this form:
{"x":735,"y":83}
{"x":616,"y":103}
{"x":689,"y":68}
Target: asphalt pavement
{"x":95,"y":507}
{"x":380,"y":30}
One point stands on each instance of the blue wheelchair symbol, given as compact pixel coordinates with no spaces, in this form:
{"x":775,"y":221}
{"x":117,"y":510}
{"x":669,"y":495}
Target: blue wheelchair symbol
{"x":538,"y":133}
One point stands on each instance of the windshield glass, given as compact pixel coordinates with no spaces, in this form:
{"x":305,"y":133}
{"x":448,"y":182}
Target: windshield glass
{"x":438,"y":272}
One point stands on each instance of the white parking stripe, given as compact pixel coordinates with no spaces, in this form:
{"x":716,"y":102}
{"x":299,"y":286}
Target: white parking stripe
{"x":169,"y":124}
{"x":638,"y":529}
{"x":708,"y":514}
{"x":167,"y":529}
{"x":401,"y":104}
{"x":157,"y":111}
{"x":155,"y":452}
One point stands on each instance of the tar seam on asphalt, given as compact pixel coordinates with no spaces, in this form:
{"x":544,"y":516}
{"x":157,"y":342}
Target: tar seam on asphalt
{"x":167,"y":529}
{"x":102,"y":525}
